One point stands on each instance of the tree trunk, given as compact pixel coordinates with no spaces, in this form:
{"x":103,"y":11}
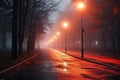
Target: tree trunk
{"x":104,"y":41}
{"x":30,"y":32}
{"x":113,"y":37}
{"x":22,"y":21}
{"x":20,"y":28}
{"x":4,"y":35}
{"x":24,"y":14}
{"x":14,"y":30}
{"x":118,"y":37}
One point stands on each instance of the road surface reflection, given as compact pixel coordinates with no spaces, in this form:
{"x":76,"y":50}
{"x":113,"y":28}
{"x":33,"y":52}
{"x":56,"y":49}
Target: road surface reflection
{"x":55,"y":65}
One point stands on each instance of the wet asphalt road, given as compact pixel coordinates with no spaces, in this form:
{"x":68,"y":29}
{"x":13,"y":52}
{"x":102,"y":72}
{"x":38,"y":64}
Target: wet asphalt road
{"x":54,"y":65}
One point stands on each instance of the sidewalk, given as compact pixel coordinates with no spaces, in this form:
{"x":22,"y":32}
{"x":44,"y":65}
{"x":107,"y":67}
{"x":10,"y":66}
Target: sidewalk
{"x":97,"y":58}
{"x":17,"y":63}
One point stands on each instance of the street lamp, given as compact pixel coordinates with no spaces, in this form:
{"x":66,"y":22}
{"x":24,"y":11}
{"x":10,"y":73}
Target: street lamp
{"x":65,"y":25}
{"x":58,"y":34}
{"x":81,"y":6}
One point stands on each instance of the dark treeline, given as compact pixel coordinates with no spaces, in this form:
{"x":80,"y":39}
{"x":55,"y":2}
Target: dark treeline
{"x":101,"y":22}
{"x":5,"y":23}
{"x":28,"y":19}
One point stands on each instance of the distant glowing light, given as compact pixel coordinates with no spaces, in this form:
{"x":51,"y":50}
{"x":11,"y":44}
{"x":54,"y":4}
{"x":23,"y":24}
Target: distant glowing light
{"x":51,"y":40}
{"x":58,"y":33}
{"x":96,"y":42}
{"x":79,"y":42}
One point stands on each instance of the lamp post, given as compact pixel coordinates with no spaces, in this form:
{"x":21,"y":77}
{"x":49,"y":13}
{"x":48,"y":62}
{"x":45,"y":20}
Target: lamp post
{"x":65,"y":25}
{"x":82,"y":37}
{"x":65,"y":44}
{"x":81,"y":6}
{"x":54,"y":37}
{"x":58,"y":34}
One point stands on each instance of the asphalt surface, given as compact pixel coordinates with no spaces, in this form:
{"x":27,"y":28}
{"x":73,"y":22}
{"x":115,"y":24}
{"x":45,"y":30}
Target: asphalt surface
{"x":54,"y":65}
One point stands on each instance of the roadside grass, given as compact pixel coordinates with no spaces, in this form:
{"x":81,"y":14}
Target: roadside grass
{"x":6,"y":60}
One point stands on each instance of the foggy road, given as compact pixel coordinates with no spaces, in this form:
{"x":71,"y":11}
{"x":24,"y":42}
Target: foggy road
{"x":55,"y":65}
{"x":59,"y":39}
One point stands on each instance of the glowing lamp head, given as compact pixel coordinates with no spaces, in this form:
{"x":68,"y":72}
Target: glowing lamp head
{"x":65,"y":24}
{"x":81,"y":5}
{"x":96,"y":42}
{"x":58,"y":33}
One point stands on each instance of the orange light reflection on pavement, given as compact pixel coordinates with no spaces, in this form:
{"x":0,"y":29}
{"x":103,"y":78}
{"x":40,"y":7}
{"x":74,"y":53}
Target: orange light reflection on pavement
{"x":65,"y":63}
{"x":65,"y":60}
{"x":65,"y":70}
{"x":68,"y":65}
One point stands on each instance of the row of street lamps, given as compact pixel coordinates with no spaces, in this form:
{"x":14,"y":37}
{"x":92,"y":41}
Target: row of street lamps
{"x":81,"y":6}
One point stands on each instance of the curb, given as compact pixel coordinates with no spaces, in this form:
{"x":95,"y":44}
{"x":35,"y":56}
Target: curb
{"x":16,"y":65}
